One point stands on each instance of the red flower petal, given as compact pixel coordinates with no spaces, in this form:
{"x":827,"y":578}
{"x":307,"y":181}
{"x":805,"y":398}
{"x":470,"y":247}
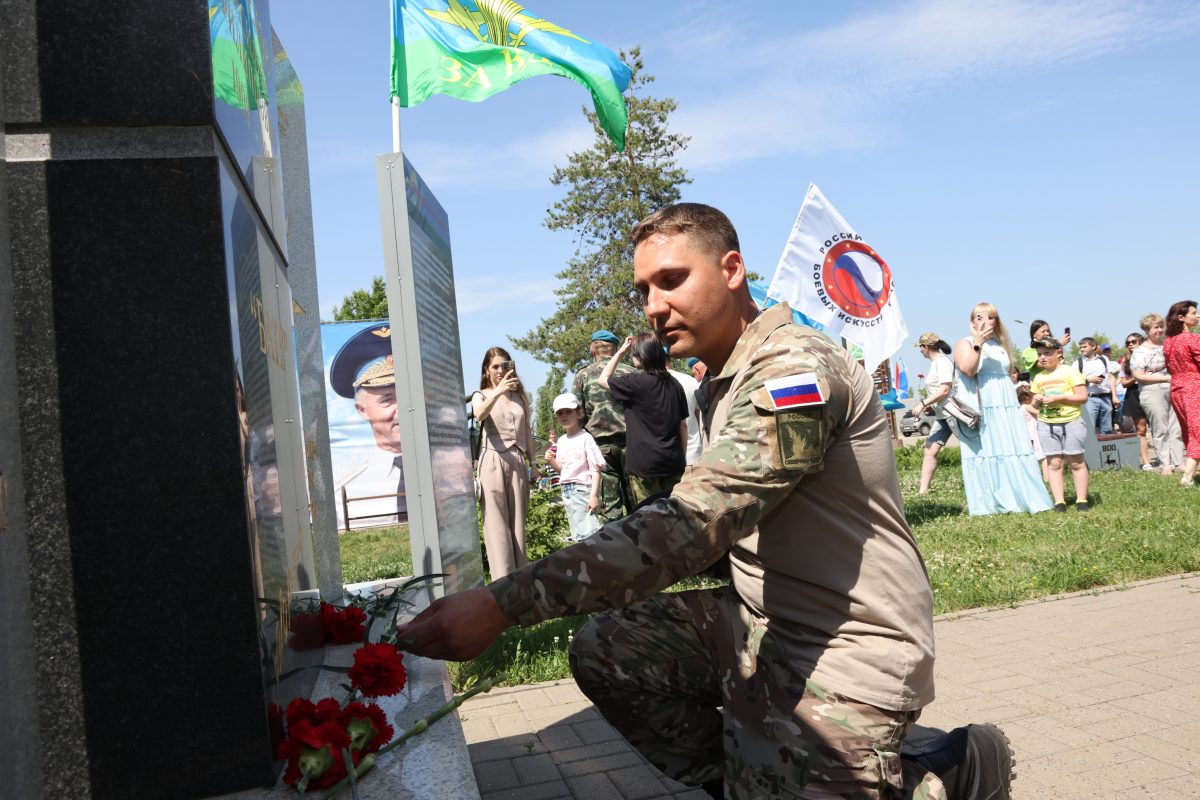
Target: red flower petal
{"x":355,"y":716}
{"x":315,"y":743}
{"x":378,"y":670}
{"x":308,"y":633}
{"x":344,"y":625}
{"x":299,"y":710}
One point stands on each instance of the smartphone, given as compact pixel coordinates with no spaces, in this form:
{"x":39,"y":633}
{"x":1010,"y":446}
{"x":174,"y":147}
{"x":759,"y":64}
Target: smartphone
{"x":506,"y":366}
{"x":1066,"y":332}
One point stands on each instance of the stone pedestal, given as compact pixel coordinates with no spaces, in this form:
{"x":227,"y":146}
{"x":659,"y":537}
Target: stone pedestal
{"x":153,"y":519}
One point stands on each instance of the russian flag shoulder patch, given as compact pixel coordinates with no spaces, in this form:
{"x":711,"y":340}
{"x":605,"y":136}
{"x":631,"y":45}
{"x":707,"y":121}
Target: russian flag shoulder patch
{"x":793,"y":391}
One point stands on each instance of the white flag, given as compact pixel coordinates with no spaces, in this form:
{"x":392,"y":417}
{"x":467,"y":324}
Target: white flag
{"x":829,"y":273}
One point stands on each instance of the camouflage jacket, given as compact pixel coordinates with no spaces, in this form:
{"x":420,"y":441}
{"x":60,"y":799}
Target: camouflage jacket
{"x":604,"y":418}
{"x":805,"y":502}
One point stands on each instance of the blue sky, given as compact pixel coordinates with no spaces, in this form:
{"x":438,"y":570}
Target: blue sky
{"x":1042,"y":156}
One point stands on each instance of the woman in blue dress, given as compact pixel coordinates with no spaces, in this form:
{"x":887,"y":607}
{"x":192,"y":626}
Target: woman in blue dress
{"x":1000,"y":472}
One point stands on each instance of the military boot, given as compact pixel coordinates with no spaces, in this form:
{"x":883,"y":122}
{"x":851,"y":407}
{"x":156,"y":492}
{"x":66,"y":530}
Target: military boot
{"x":974,"y":762}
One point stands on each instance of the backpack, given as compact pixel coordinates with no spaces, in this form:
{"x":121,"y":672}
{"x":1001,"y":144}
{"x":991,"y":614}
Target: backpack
{"x":1104,"y":360}
{"x":1079,"y":364}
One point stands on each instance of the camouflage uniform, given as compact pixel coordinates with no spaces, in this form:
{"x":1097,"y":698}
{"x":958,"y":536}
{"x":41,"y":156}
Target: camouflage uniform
{"x":802,"y":678}
{"x":604,"y":419}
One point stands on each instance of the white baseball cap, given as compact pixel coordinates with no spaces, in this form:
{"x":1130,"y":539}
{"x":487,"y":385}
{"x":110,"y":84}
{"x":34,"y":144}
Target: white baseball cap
{"x":566,"y":400}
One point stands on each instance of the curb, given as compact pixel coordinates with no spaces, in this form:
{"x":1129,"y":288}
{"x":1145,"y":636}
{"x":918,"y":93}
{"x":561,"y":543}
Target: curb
{"x":951,"y":616}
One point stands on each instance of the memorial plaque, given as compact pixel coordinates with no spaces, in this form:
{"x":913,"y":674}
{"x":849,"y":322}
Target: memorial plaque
{"x":302,"y":277}
{"x":280,"y":542}
{"x":441,"y":369}
{"x":429,"y":389}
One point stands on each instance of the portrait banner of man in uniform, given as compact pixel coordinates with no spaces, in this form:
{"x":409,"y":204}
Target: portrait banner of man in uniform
{"x":364,"y":433}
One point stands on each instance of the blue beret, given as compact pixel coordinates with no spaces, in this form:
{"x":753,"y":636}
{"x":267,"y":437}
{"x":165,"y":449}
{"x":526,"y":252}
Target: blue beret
{"x":605,"y":336}
{"x":691,"y":362}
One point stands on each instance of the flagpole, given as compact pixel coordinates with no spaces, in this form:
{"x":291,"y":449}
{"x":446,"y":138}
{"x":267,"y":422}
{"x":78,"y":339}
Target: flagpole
{"x":395,"y":124}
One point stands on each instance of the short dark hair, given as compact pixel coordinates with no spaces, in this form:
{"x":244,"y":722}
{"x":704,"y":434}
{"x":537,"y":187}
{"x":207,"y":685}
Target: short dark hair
{"x":1033,"y":326}
{"x":649,"y":351}
{"x":1177,"y":310}
{"x":1087,"y":340}
{"x":708,"y":225}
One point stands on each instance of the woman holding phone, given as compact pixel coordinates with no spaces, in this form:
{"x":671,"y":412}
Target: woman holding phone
{"x":506,"y":458}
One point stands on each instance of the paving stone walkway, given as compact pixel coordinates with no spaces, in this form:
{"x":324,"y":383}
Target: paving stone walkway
{"x":1099,"y":692}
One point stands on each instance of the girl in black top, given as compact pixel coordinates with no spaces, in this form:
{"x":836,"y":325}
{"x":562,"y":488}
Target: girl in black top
{"x":655,"y":418}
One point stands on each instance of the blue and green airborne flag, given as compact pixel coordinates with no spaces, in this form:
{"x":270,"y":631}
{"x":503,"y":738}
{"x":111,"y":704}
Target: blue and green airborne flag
{"x":239,"y":75}
{"x":471,"y":49}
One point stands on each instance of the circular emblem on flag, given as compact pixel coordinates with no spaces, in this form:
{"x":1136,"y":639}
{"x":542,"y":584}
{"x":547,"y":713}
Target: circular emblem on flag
{"x":856,"y":279}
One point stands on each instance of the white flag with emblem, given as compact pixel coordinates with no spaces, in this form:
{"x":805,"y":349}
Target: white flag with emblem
{"x":831,"y":274}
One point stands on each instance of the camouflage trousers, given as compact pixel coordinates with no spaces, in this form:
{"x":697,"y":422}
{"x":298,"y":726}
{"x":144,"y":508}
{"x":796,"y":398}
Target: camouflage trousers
{"x":612,"y":504}
{"x":693,"y":681}
{"x":640,"y":487}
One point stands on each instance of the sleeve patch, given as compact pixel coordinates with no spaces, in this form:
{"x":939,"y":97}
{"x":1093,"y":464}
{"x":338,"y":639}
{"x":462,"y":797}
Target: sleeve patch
{"x":795,"y":391}
{"x":800,"y":439}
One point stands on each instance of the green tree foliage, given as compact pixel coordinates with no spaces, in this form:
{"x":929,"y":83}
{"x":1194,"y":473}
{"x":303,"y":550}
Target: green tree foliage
{"x":543,"y":406}
{"x":607,"y":194}
{"x":363,"y":304}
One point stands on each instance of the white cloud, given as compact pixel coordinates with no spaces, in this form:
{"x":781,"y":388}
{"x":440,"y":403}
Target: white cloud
{"x":522,"y":162}
{"x":496,"y":294}
{"x":826,"y":90}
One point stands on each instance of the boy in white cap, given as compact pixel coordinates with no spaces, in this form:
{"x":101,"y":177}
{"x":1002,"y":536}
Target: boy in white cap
{"x":578,"y":461}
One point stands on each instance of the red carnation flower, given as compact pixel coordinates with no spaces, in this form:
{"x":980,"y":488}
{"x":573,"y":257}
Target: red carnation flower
{"x":378,"y":670}
{"x":301,"y":710}
{"x":315,"y":749}
{"x":343,"y":626}
{"x":367,"y":726}
{"x":307,"y":632}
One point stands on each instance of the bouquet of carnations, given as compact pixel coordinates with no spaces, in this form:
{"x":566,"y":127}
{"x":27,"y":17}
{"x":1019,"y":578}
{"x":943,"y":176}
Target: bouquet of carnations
{"x":331,"y":744}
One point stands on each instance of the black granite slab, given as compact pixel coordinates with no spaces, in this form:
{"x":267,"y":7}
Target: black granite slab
{"x":91,"y":62}
{"x":152,"y":480}
{"x":18,"y":684}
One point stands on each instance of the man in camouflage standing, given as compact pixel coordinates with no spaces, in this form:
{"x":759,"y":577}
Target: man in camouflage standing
{"x":604,"y":419}
{"x":803,"y":676}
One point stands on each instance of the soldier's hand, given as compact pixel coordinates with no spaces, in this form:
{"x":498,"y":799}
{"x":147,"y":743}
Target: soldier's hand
{"x":457,"y":627}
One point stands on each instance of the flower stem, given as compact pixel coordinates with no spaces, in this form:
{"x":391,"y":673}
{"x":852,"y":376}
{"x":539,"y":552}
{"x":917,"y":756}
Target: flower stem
{"x":419,"y":726}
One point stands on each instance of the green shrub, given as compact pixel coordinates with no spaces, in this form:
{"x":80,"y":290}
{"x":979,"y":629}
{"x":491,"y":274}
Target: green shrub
{"x":546,"y":527}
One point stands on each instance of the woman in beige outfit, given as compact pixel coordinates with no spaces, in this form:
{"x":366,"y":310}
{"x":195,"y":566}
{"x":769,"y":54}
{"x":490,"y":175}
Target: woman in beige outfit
{"x":505,"y":459}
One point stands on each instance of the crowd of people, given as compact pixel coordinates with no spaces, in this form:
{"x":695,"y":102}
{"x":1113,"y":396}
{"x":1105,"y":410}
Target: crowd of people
{"x":1032,"y":406}
{"x":628,"y":434}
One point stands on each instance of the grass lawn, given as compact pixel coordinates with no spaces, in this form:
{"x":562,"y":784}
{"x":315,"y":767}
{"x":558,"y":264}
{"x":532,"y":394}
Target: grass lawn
{"x":375,"y":553}
{"x":1141,"y":525}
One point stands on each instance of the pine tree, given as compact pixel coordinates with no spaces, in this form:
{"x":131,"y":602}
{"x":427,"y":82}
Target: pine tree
{"x":363,"y":304}
{"x":608,"y":192}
